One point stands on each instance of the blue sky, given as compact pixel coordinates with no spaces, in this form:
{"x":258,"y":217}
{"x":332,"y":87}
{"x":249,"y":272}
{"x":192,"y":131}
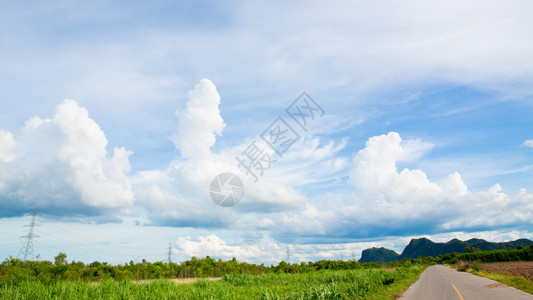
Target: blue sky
{"x":115,"y":117}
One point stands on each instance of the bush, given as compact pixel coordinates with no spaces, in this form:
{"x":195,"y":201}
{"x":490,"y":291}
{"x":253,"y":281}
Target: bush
{"x":463,"y":266}
{"x":475,"y":267}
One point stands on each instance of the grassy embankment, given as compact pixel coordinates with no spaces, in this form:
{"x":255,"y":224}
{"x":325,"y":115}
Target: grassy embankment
{"x":324,"y":284}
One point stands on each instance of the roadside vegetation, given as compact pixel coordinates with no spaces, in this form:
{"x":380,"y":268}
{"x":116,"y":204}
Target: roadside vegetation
{"x":324,"y":279}
{"x":515,"y":281}
{"x":512,"y":267}
{"x":367,"y":283}
{"x":519,"y":254}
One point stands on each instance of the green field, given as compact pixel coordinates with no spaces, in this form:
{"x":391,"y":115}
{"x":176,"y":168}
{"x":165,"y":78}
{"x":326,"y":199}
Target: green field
{"x":372,"y":283}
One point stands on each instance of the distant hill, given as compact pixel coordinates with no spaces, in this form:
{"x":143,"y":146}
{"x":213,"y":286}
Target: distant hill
{"x":426,"y":247}
{"x":379,"y":255}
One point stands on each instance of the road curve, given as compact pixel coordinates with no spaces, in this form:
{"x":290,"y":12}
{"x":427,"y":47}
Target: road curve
{"x":440,"y":282}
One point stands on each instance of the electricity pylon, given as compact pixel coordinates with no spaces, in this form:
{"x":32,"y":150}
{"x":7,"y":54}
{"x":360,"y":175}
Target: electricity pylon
{"x":27,"y":240}
{"x":169,"y":253}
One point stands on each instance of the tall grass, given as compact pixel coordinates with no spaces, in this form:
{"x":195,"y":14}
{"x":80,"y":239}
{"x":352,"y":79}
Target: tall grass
{"x":325,"y":284}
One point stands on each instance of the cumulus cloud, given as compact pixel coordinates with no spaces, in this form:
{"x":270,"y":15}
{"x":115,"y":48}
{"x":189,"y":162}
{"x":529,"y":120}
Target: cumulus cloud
{"x":62,"y":164}
{"x":7,"y":145}
{"x":200,"y":122}
{"x":179,"y":194}
{"x":375,"y":170}
{"x":268,"y":250}
{"x":408,"y":197}
{"x":403,"y":202}
{"x":215,"y":246}
{"x":528,"y":143}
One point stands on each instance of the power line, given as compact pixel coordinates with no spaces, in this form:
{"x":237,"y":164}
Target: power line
{"x":27,"y":242}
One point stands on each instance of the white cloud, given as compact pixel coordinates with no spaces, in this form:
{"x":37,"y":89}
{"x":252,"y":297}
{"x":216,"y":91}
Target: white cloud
{"x":406,"y":202}
{"x":62,"y":164}
{"x":375,"y":170}
{"x":199,"y":123}
{"x":264,"y":249}
{"x":267,"y":250}
{"x":102,"y":181}
{"x":215,"y":246}
{"x":7,"y":145}
{"x":179,"y":194}
{"x":528,"y":143}
{"x":362,"y":46}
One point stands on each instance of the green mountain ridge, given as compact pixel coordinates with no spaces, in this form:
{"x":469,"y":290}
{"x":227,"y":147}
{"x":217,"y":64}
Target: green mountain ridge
{"x":379,"y":255}
{"x":426,"y":247}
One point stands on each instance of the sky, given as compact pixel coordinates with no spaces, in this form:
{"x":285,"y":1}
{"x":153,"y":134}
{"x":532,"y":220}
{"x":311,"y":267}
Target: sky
{"x":116,"y":117}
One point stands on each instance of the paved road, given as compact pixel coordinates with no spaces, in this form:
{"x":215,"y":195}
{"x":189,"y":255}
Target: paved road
{"x":439,"y":282}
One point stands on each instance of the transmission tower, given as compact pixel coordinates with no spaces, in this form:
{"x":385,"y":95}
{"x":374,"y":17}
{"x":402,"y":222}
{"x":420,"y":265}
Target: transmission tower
{"x":288,"y":256}
{"x":169,"y":253}
{"x":27,"y":240}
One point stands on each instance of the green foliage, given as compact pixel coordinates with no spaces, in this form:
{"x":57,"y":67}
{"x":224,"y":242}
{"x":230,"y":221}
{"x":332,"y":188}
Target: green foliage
{"x":333,"y":280}
{"x":475,"y":267}
{"x":517,"y":282}
{"x":523,"y":254}
{"x":426,"y":247}
{"x":379,"y":255}
{"x":61,"y":259}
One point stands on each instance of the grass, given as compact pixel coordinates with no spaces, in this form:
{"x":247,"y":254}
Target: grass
{"x":325,"y":284}
{"x":517,"y":282}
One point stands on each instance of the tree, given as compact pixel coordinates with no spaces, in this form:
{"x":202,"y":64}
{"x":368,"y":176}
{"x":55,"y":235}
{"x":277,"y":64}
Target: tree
{"x":61,"y":259}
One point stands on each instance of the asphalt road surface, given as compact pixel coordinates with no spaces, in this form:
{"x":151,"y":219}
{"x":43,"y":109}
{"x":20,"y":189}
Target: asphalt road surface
{"x":440,"y":282}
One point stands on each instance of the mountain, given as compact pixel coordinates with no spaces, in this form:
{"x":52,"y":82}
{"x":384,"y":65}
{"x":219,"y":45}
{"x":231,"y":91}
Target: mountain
{"x":426,"y":247}
{"x":379,"y":255}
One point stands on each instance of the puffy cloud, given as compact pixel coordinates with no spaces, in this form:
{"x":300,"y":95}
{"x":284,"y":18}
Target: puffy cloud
{"x":101,"y":181}
{"x":264,"y":249}
{"x":179,"y":194}
{"x":215,"y":246}
{"x":528,"y":143}
{"x":62,"y":165}
{"x":402,"y":202}
{"x":199,"y":123}
{"x":7,"y":145}
{"x":375,"y":172}
{"x":267,"y":250}
{"x":408,"y":197}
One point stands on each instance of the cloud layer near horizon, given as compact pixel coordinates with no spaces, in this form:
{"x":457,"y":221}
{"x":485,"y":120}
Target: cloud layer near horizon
{"x":61,"y":166}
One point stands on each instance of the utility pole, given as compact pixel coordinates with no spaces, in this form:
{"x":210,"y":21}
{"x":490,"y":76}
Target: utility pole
{"x":169,"y":253}
{"x":27,"y":240}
